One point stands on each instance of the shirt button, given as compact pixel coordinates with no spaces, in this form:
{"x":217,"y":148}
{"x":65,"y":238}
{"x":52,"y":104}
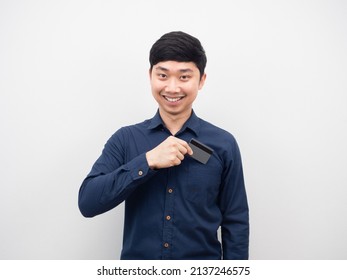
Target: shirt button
{"x":166,"y":245}
{"x":168,"y":218}
{"x":170,"y":190}
{"x":140,"y":173}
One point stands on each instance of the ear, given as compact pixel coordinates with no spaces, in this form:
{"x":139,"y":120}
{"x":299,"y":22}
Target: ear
{"x":202,"y":81}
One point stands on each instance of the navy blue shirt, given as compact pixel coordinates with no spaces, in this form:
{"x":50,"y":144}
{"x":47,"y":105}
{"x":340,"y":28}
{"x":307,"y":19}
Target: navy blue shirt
{"x":172,"y":213}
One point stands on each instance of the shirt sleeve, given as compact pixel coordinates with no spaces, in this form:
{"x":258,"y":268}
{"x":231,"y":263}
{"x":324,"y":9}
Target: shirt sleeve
{"x":113,"y":178}
{"x":234,"y":208}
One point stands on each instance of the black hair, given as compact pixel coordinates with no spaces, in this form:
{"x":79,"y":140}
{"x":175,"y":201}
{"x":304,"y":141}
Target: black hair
{"x":178,"y":46}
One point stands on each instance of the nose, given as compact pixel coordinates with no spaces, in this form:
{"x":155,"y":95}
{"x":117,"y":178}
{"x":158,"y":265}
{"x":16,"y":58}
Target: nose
{"x":172,"y":86}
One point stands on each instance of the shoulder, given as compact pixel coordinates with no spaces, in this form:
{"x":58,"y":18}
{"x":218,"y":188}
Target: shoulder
{"x":122,"y":134}
{"x":220,"y":140}
{"x":220,"y":133}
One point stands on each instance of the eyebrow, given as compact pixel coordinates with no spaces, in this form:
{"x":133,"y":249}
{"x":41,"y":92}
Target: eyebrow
{"x":185,"y":70}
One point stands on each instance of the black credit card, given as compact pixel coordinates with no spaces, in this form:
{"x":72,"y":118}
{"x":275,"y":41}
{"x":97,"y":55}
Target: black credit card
{"x":201,"y":152}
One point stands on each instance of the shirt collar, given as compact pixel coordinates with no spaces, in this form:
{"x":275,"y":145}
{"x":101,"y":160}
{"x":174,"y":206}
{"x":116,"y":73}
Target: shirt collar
{"x":193,"y":123}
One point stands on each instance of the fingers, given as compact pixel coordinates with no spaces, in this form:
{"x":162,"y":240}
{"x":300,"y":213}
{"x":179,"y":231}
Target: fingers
{"x":169,"y":153}
{"x":180,"y":156}
{"x":177,"y":149}
{"x":183,"y":146}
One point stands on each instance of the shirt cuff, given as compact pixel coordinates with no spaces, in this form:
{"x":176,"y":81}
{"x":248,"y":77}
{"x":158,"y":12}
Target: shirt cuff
{"x":138,"y":167}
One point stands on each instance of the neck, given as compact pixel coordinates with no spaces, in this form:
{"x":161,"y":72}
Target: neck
{"x":174,"y":123}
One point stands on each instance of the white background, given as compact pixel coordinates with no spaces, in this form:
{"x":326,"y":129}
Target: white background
{"x":73,"y":72}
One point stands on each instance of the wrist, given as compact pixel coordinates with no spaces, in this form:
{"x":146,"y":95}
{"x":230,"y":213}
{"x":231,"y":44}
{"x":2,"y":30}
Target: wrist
{"x":149,"y":159}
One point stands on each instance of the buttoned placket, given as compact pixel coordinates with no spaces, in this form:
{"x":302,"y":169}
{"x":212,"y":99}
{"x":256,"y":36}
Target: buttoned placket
{"x":168,"y":213}
{"x":168,"y":217}
{"x":169,"y":210}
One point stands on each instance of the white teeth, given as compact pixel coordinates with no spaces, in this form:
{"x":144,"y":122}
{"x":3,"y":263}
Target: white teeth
{"x":172,"y":99}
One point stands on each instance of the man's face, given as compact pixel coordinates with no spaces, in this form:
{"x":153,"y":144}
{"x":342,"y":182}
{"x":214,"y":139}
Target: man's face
{"x":175,"y":86}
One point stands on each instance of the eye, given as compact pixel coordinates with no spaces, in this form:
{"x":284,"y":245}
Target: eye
{"x":185,"y":77}
{"x":162,"y":76}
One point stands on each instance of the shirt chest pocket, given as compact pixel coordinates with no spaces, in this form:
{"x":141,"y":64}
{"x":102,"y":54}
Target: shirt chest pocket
{"x":202,"y":182}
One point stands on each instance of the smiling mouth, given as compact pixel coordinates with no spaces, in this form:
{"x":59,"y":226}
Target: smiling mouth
{"x":173,"y":99}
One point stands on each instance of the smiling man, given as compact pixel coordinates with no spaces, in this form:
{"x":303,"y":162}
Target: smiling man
{"x":175,"y":199}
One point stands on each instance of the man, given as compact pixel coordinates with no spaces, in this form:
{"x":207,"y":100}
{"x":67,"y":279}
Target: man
{"x":174,"y":202}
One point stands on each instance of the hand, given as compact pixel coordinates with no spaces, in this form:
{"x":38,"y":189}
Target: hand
{"x":168,"y":153}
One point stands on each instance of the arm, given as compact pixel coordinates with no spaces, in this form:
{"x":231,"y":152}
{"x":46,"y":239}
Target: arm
{"x":234,"y":207}
{"x":112,"y":179}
